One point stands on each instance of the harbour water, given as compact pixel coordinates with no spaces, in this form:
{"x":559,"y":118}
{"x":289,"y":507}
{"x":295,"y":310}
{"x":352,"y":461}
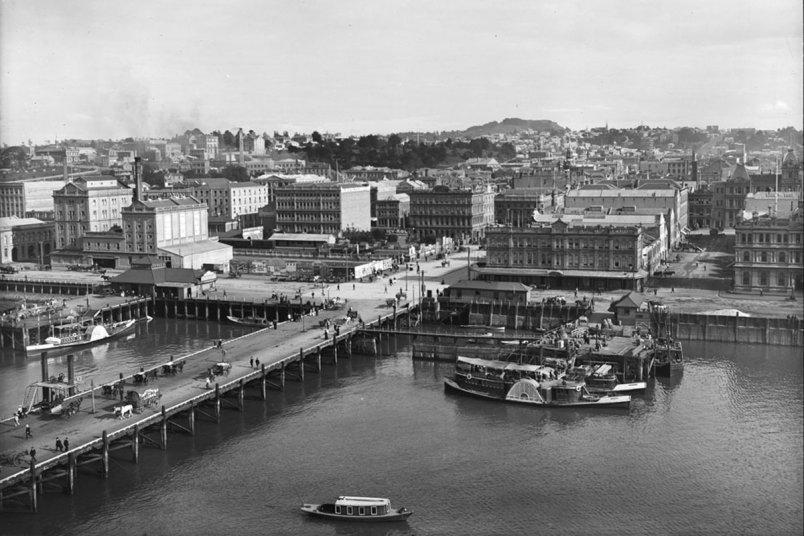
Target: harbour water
{"x":717,"y":450}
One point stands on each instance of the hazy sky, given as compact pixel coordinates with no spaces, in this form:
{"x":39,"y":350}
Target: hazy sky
{"x":112,"y":69}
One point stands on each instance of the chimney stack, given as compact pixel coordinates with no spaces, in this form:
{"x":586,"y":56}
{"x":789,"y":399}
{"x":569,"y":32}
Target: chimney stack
{"x":137,"y":178}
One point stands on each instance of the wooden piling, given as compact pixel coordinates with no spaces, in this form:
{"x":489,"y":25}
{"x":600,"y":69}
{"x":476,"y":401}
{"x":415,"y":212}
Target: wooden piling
{"x":191,"y":419}
{"x":135,"y":444}
{"x":217,"y":403}
{"x":301,"y":364}
{"x":263,"y":392}
{"x":241,"y":394}
{"x":163,"y":429}
{"x":105,"y":454}
{"x":32,"y":492}
{"x":71,"y":473}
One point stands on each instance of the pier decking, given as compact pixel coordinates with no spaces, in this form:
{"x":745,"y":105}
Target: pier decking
{"x":284,"y":353}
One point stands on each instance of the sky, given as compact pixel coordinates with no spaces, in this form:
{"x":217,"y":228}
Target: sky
{"x":112,"y":69}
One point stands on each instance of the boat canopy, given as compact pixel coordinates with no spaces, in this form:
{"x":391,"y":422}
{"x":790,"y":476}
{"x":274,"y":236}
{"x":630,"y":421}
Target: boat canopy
{"x":602,"y":370}
{"x":503,"y":365}
{"x":344,"y":500}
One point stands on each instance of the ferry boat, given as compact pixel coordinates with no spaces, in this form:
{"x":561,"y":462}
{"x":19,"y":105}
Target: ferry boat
{"x":534,"y":385}
{"x":602,"y":379}
{"x":252,"y":322}
{"x":67,"y":336}
{"x":349,"y":508}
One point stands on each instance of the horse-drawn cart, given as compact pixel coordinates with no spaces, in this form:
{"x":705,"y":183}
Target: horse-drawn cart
{"x":222,"y":368}
{"x":140,"y":400}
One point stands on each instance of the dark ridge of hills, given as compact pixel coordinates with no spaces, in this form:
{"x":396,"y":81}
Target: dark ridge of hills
{"x":513,"y":124}
{"x":506,"y":126}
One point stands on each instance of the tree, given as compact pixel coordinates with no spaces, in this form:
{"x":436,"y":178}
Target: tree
{"x":317,"y":137}
{"x":235,"y":173}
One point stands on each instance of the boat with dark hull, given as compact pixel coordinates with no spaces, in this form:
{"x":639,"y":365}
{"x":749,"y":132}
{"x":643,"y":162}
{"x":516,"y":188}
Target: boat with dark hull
{"x":533,"y":385}
{"x":70,"y":336}
{"x":362,"y":509}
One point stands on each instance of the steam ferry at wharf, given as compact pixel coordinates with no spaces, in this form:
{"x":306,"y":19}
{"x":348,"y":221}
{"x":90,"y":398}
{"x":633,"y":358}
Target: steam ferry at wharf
{"x":533,"y":385}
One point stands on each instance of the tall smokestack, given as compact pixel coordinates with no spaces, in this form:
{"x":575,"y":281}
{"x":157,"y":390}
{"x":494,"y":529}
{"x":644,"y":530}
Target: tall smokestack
{"x":137,"y":178}
{"x":242,"y":158}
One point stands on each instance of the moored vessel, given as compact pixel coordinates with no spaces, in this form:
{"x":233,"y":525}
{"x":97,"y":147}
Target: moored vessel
{"x":67,"y":336}
{"x":534,"y":385}
{"x":349,"y":508}
{"x":251,"y":322}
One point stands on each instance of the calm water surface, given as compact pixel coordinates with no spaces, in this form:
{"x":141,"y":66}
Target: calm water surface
{"x":717,"y":450}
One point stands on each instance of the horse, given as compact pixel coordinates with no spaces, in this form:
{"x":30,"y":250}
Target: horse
{"x":123,"y":412}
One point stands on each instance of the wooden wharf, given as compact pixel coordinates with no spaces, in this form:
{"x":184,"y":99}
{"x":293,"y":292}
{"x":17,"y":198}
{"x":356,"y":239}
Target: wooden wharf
{"x":285,"y":353}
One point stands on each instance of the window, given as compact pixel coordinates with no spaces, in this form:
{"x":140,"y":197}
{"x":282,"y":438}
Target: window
{"x":764,"y":256}
{"x":746,"y":278}
{"x":746,"y":256}
{"x":782,"y":280}
{"x":362,"y":511}
{"x":782,"y":257}
{"x":763,"y":279}
{"x":349,"y":510}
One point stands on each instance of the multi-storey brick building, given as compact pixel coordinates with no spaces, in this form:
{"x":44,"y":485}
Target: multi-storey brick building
{"x":462,"y":215}
{"x":576,"y":254}
{"x":323,"y":208}
{"x":21,"y":199}
{"x":84,"y":205}
{"x":25,"y":239}
{"x":700,"y":208}
{"x":236,"y":200}
{"x":768,"y":253}
{"x":515,"y":207}
{"x":669,"y":197}
{"x":392,"y":211}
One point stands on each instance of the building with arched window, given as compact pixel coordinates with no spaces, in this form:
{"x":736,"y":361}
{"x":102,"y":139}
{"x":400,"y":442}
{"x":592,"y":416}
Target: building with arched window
{"x":769,"y":253}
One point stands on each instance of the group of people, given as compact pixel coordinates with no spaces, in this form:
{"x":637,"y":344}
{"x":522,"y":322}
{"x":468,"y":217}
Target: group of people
{"x":62,"y":446}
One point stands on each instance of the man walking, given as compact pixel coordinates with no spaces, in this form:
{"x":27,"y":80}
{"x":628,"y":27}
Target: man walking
{"x":28,"y":434}
{"x":59,"y":446}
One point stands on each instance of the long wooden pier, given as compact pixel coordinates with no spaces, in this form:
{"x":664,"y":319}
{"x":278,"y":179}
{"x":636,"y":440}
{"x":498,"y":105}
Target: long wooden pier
{"x":285,"y":353}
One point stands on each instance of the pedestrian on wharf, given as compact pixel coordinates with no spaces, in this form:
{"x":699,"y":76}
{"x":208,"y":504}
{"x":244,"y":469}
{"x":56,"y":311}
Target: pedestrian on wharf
{"x":251,"y":362}
{"x":326,"y":335}
{"x":16,"y":420}
{"x":33,"y":454}
{"x":257,"y":363}
{"x":28,"y":434}
{"x":207,"y":382}
{"x":339,"y":287}
{"x":353,"y":286}
{"x":59,"y":446}
{"x":224,"y":293}
{"x":66,"y":444}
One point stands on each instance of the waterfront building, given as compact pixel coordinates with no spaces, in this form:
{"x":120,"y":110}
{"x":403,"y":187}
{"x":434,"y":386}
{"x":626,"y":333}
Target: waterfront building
{"x":728,"y":198}
{"x":478,"y":291}
{"x":86,"y":205}
{"x":25,"y":240}
{"x":769,"y":253}
{"x":24,"y":198}
{"x":323,"y":208}
{"x":462,"y":215}
{"x":581,"y":254}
